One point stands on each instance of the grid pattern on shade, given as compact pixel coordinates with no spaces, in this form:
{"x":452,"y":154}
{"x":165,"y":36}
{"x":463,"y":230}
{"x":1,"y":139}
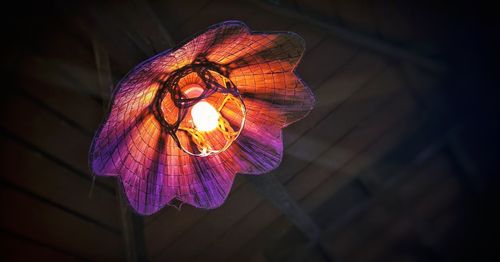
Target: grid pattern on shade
{"x":131,"y":143}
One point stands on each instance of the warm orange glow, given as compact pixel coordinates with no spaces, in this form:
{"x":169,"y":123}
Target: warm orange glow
{"x":208,"y":130}
{"x":205,"y":117}
{"x":185,"y":121}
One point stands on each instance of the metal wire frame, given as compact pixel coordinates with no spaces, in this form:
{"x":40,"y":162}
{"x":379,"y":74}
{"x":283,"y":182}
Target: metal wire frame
{"x":205,"y":71}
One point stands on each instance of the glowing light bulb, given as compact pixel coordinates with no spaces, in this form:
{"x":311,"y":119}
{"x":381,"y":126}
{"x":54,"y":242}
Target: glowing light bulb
{"x":205,"y":117}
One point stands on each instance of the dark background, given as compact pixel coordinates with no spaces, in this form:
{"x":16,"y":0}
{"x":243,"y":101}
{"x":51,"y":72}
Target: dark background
{"x":397,"y":162}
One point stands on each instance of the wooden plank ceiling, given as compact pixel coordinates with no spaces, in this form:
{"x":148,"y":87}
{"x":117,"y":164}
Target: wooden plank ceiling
{"x":337,"y":164}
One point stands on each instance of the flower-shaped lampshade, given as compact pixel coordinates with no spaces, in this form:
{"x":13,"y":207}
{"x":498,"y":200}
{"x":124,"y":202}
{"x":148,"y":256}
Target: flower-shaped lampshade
{"x":184,"y":122}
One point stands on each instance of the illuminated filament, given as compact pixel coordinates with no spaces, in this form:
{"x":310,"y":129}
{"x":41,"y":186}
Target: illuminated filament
{"x":205,"y":117}
{"x":207,"y":121}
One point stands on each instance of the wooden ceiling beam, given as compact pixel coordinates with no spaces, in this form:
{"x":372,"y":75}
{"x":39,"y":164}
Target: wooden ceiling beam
{"x":132,"y":224}
{"x":362,"y":40}
{"x":274,"y":191}
{"x":151,"y":38}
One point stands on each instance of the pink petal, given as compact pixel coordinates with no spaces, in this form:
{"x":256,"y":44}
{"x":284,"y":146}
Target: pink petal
{"x":256,"y":151}
{"x":204,"y":182}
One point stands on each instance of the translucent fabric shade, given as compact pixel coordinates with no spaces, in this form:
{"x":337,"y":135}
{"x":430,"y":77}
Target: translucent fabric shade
{"x":144,"y":148}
